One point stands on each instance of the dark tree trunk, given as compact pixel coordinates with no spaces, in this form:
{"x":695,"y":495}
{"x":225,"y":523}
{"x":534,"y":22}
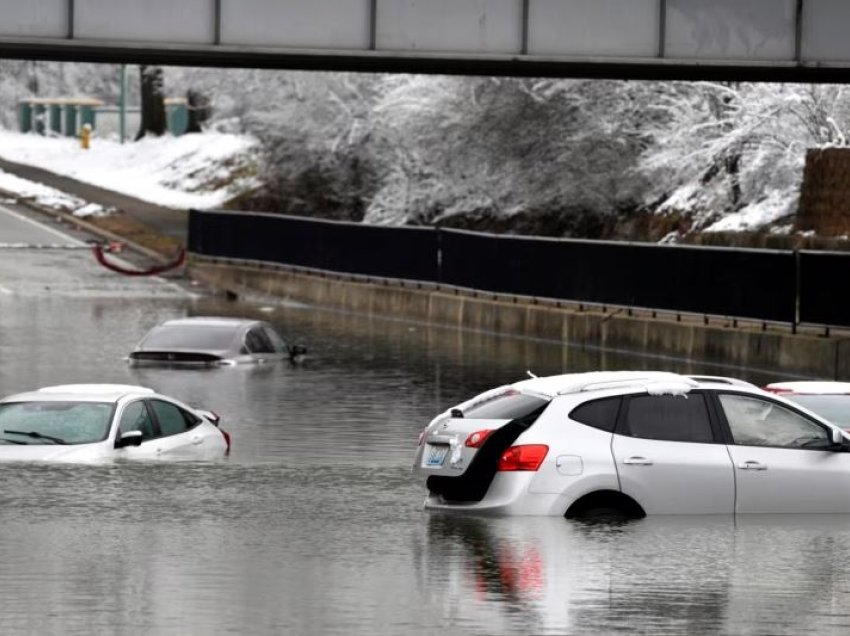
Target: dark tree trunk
{"x":199,"y":110}
{"x":153,"y":104}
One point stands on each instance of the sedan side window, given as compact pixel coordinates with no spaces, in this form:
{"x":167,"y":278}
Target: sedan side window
{"x":757,"y":422}
{"x":172,"y":420}
{"x":258,"y":342}
{"x":136,"y":418}
{"x":277,"y":342}
{"x":674,"y":418}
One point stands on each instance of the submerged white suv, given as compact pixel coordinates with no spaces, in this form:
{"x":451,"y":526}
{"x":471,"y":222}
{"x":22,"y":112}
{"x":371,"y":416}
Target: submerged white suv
{"x":635,"y":443}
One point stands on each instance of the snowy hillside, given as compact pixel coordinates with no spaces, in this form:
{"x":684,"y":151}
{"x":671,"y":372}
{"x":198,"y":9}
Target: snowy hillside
{"x":192,"y":171}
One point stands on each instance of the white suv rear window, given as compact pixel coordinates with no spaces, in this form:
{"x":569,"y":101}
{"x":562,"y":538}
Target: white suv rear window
{"x":507,"y":406}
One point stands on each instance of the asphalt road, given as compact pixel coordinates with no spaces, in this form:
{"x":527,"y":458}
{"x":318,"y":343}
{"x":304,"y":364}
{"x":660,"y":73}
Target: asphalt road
{"x":41,"y":256}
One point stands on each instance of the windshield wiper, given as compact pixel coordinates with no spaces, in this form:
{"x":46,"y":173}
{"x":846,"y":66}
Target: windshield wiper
{"x":37,"y":435}
{"x":12,"y":441}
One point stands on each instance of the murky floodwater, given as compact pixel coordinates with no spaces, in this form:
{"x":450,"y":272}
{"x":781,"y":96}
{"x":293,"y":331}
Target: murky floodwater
{"x":314,"y":525}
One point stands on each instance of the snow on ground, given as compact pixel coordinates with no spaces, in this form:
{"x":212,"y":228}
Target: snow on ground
{"x":192,"y":171}
{"x":777,"y":205}
{"x":47,"y":196}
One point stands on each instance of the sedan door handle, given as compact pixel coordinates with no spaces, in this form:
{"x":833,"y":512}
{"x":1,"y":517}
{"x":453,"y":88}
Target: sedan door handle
{"x":197,"y":440}
{"x":638,"y":461}
{"x":752,"y":465}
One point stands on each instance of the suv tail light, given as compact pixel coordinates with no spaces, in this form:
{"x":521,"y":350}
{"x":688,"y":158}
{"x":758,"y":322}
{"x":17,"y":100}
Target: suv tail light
{"x":526,"y":457}
{"x":476,"y":439}
{"x":226,"y":438}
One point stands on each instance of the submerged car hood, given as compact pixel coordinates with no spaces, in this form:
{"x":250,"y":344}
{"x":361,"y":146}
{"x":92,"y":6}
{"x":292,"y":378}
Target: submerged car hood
{"x":48,"y":452}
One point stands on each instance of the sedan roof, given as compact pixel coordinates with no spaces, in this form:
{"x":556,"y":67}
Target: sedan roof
{"x":80,"y":392}
{"x":210,"y":320}
{"x":810,"y":387}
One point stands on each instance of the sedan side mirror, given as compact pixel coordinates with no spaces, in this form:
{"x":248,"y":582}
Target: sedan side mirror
{"x":837,"y":438}
{"x":296,"y":352}
{"x":130,"y":438}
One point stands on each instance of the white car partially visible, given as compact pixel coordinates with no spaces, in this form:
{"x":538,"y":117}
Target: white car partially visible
{"x":826,"y":398}
{"x":92,"y":422}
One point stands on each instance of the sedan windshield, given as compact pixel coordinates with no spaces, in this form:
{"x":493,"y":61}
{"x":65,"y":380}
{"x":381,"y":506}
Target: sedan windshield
{"x":835,"y":408}
{"x":54,"y":422}
{"x":207,"y":337}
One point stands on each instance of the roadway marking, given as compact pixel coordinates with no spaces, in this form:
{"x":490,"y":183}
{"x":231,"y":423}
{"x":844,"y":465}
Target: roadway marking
{"x":53,"y":231}
{"x":5,"y":290}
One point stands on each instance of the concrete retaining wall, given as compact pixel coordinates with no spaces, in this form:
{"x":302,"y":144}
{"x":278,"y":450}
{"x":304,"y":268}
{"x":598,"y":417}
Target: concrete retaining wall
{"x":754,"y":346}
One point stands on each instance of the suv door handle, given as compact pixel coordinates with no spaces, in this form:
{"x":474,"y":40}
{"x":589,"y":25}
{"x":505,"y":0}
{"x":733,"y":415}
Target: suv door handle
{"x":752,"y":465}
{"x":197,"y":439}
{"x":638,"y":461}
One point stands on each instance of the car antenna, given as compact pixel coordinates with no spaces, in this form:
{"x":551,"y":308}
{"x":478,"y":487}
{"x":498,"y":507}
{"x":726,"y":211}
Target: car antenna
{"x":530,"y":374}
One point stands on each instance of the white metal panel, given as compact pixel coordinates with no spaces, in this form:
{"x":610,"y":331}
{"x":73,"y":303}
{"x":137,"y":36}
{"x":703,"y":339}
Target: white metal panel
{"x":182,"y":22}
{"x":731,"y":29}
{"x":35,"y":18}
{"x":601,"y":27}
{"x":675,"y":477}
{"x":788,"y":480}
{"x":332,"y":24}
{"x":825,"y":28}
{"x":463,"y":26}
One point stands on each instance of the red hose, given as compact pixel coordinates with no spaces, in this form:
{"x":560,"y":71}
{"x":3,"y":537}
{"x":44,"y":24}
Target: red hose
{"x":97,"y":248}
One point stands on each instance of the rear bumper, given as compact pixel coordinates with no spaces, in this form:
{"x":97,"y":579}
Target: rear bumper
{"x":507,"y":495}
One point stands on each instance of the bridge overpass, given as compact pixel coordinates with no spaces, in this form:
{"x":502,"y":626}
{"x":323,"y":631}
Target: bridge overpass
{"x":781,"y":40}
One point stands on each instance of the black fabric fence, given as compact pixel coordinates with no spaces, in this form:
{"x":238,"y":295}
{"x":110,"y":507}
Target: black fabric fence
{"x":354,"y":248}
{"x":768,"y":285}
{"x":729,"y":282}
{"x":824,"y":276}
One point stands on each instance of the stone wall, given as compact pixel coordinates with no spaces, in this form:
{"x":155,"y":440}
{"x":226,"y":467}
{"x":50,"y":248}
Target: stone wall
{"x":754,"y":346}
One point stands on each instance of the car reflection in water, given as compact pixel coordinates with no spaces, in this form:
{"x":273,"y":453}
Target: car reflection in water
{"x":659,"y":575}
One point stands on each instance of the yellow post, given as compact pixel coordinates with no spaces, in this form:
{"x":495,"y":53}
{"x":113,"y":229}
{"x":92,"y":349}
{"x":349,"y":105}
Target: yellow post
{"x":85,"y":136}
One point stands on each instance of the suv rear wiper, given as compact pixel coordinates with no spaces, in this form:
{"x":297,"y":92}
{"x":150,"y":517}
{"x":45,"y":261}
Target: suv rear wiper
{"x":37,"y":435}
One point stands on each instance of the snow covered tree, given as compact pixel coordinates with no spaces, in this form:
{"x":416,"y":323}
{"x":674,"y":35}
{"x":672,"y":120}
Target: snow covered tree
{"x":731,"y":156}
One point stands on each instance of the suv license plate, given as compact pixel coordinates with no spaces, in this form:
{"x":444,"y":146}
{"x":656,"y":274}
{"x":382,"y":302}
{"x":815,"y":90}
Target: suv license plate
{"x":436,"y":455}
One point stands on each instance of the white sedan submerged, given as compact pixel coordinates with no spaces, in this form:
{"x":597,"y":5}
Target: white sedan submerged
{"x":91,"y":422}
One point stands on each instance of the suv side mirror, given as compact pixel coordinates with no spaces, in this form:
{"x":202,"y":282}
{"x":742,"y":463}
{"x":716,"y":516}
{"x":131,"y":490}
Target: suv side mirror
{"x":837,"y":438}
{"x":130,"y":438}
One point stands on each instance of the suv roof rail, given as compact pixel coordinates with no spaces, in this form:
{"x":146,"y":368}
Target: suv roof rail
{"x":627,"y":382}
{"x":717,"y":379}
{"x":595,"y":381}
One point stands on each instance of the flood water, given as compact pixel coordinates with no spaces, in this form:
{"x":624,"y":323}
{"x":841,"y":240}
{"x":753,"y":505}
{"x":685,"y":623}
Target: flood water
{"x":314,"y":524}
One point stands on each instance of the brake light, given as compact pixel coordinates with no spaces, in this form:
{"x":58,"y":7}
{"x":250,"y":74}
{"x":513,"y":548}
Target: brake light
{"x":777,"y":391}
{"x":527,"y":457}
{"x":421,"y":436}
{"x":226,"y":439}
{"x":476,"y":439}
